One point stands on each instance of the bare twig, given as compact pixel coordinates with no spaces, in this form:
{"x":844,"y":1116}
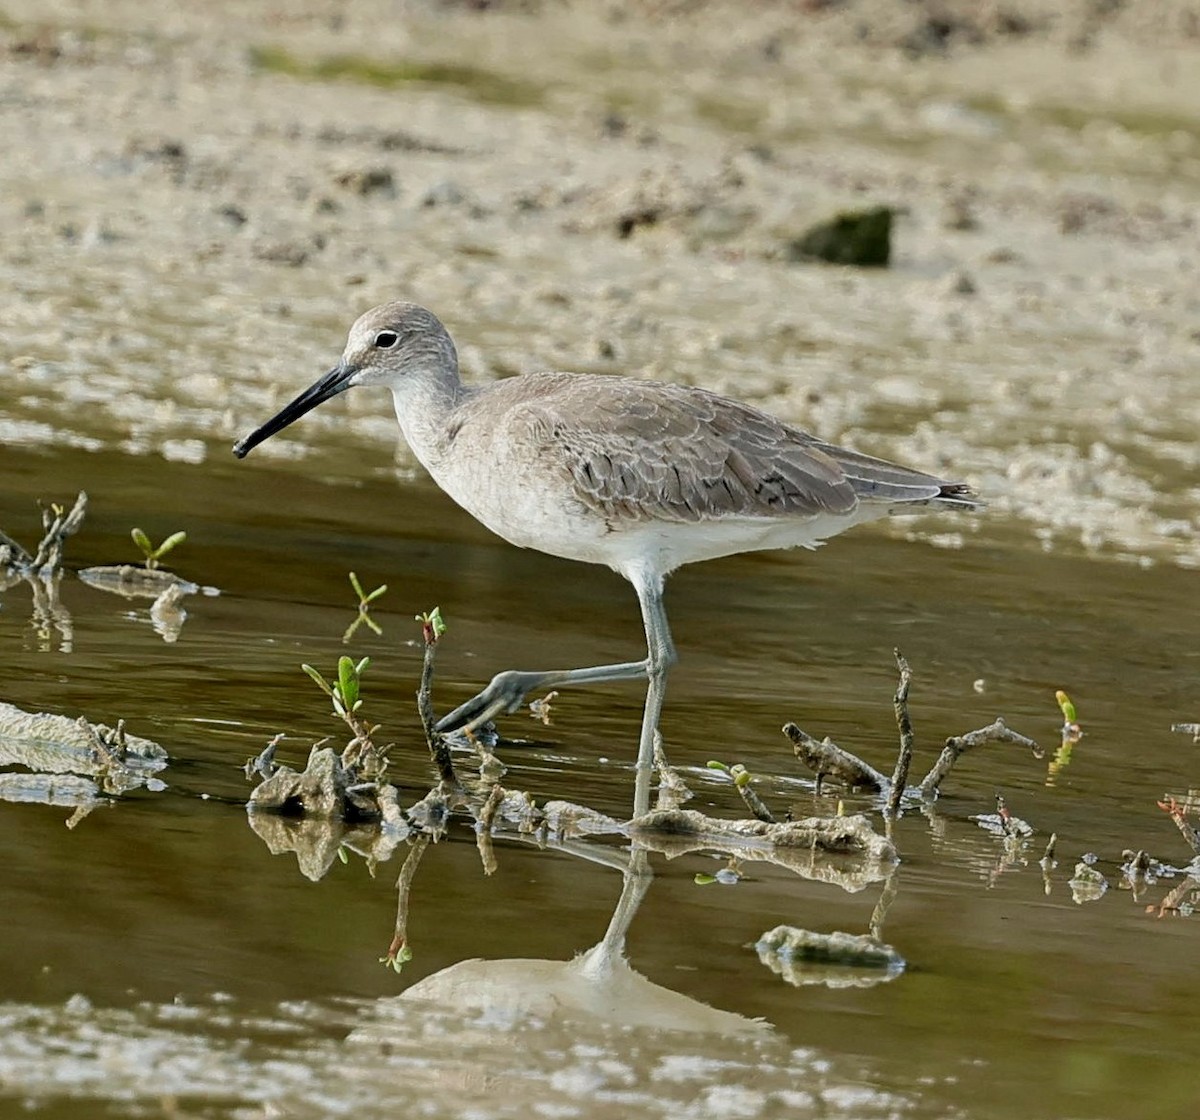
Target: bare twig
{"x":958,"y":745}
{"x":438,"y":750}
{"x":904,"y":723}
{"x":826,"y":757}
{"x":264,"y":763}
{"x":58,"y":524}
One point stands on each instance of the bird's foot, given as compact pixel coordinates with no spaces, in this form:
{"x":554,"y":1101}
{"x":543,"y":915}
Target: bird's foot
{"x":505,"y":692}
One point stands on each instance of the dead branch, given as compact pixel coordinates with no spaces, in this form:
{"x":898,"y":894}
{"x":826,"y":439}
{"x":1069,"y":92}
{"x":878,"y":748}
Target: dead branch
{"x":438,"y":749}
{"x":825,"y":757}
{"x":958,"y":745}
{"x":57,"y":525}
{"x":904,"y":723}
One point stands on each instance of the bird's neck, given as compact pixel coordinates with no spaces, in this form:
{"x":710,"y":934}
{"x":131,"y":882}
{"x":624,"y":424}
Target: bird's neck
{"x":425,"y":409}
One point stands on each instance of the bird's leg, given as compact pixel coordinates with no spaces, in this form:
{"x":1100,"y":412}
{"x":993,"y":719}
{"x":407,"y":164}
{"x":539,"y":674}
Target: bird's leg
{"x":660,"y":656}
{"x":507,"y":691}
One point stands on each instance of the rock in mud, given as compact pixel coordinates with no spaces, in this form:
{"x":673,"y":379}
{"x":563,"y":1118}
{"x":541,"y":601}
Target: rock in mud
{"x":854,"y":237}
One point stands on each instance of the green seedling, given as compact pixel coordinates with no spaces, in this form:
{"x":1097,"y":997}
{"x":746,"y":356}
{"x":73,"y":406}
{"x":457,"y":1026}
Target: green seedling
{"x":344,"y":691}
{"x":740,"y":775}
{"x":432,"y":626}
{"x":365,"y":599}
{"x":154,"y":555}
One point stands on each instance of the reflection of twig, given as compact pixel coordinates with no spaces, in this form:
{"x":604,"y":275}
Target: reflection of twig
{"x":398,"y":951}
{"x":817,"y":834}
{"x":1173,"y":902}
{"x":958,"y":745}
{"x":484,"y":819}
{"x":49,"y":613}
{"x":1178,"y":813}
{"x":904,"y":758}
{"x":891,"y":887}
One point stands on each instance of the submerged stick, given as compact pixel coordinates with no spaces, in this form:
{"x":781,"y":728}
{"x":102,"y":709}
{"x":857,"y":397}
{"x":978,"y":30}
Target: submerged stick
{"x":904,"y":723}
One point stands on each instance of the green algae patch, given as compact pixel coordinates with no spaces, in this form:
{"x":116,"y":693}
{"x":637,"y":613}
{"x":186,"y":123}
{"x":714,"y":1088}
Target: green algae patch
{"x":472,"y":81}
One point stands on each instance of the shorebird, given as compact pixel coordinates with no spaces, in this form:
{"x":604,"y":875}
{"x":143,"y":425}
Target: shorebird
{"x":642,"y":476}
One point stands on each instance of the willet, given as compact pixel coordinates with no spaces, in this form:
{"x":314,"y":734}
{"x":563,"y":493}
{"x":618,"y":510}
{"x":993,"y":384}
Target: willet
{"x":640,"y":475}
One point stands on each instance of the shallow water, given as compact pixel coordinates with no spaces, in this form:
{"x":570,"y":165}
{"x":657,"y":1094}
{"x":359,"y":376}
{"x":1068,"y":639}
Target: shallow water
{"x":161,"y":935}
{"x":189,"y":225}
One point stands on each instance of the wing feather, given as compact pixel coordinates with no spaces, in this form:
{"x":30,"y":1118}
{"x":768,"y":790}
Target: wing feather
{"x":648,"y":450}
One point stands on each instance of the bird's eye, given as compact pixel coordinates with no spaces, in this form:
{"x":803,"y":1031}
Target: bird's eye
{"x":385,"y":340}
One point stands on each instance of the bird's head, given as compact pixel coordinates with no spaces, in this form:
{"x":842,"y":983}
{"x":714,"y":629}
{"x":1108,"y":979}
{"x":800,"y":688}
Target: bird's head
{"x":388,"y":345}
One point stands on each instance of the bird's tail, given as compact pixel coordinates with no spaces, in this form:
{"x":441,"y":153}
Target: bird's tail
{"x":878,"y":481}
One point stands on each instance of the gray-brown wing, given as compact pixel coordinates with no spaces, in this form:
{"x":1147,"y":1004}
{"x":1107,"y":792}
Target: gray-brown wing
{"x":641,"y":450}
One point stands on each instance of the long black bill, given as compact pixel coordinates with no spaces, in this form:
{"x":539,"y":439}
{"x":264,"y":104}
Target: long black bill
{"x":337,"y":380}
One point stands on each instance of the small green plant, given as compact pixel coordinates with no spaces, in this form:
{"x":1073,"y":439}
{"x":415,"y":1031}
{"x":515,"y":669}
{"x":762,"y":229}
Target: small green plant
{"x":361,"y":754}
{"x":432,"y":626}
{"x":740,"y":775}
{"x":365,"y":599}
{"x":154,"y":555}
{"x":344,"y":691}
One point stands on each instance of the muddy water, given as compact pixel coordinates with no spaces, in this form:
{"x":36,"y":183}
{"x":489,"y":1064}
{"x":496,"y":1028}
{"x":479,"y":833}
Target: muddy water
{"x":160,"y":949}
